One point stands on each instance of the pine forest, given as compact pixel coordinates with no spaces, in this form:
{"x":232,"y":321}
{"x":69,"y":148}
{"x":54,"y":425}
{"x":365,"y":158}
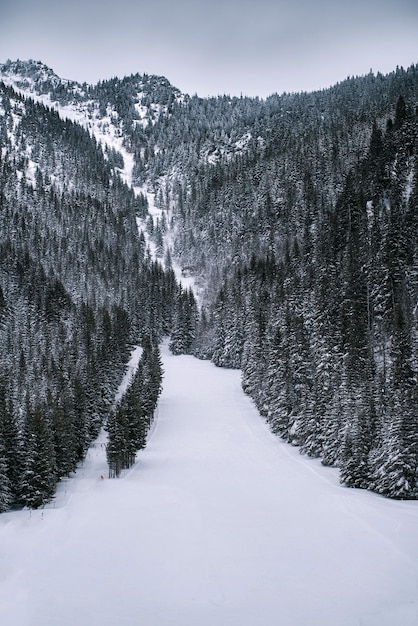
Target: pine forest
{"x":294,"y":217}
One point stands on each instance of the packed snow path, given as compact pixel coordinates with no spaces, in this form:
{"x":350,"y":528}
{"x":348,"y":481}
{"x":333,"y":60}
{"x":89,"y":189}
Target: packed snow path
{"x":218,"y":524}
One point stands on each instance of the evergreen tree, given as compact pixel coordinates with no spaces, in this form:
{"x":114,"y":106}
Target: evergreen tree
{"x":39,"y":470}
{"x":185,"y":323}
{"x":6,"y":497}
{"x":128,"y":423}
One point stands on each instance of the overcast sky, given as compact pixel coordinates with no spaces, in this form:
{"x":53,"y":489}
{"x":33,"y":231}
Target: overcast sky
{"x":211,"y":47}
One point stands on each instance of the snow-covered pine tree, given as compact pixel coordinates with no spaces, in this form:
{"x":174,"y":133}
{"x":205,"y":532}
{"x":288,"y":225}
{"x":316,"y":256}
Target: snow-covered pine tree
{"x":6,"y":496}
{"x":38,"y":478}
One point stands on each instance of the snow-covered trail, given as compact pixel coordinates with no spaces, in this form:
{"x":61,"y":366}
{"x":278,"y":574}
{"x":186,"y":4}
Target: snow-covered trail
{"x":218,"y":524}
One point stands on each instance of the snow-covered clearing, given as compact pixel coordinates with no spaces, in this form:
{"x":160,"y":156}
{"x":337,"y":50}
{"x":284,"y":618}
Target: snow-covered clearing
{"x":218,"y":524}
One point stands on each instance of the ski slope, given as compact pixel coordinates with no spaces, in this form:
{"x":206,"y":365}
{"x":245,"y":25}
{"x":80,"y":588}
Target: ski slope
{"x":219,"y":523}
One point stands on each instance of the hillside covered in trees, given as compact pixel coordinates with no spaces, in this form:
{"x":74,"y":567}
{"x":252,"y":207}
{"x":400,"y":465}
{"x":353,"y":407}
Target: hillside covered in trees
{"x":77,"y":289}
{"x":297,"y":217}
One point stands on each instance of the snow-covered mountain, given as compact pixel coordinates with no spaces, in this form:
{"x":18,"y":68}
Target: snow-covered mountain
{"x":101,"y":109}
{"x":34,"y":77}
{"x":295,"y":216}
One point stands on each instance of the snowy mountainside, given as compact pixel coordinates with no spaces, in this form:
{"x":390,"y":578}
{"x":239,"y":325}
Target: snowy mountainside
{"x":120,"y":113}
{"x":77,"y":289}
{"x":297,"y":218}
{"x":100,"y":109}
{"x":142,"y":122}
{"x":117,"y":113}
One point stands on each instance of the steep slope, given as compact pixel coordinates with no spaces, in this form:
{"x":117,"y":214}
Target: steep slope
{"x":77,"y":287}
{"x":118,"y":113}
{"x":218,"y":523}
{"x":246,"y":177}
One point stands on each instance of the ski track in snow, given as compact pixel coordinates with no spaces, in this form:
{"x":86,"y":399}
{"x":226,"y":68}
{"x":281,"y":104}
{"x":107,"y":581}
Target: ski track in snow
{"x":218,"y":523}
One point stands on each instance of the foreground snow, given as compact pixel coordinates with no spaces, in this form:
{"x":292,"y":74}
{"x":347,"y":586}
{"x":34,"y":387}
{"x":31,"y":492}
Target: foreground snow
{"x":218,"y":524}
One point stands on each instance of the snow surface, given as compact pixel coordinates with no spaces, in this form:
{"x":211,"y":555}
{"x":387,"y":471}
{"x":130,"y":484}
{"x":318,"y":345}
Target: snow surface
{"x":218,"y":523}
{"x":131,"y":368}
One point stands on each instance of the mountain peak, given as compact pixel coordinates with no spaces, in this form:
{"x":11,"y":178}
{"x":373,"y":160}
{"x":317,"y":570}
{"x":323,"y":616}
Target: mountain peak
{"x":33,"y":71}
{"x":34,"y":77}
